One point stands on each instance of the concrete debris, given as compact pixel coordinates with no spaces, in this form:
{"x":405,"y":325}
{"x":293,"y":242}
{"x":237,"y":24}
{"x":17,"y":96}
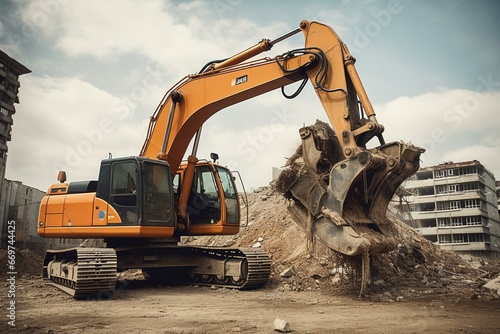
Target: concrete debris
{"x":229,"y":243}
{"x":288,"y":272}
{"x":493,"y":285}
{"x":257,"y":245}
{"x":92,"y":243}
{"x":27,"y":263}
{"x":281,"y":326}
{"x":336,"y":279}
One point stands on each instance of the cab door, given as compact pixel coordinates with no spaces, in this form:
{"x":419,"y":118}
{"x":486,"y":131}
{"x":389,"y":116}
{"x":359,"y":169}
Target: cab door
{"x":204,"y":203}
{"x":124,"y":191}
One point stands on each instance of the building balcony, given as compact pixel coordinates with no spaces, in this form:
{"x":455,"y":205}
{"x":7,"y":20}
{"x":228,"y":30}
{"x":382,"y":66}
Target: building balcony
{"x":418,"y":183}
{"x":466,"y":246}
{"x":5,"y":119}
{"x":458,"y":179}
{"x":418,"y":215}
{"x":427,"y":230}
{"x":458,"y":195}
{"x":7,"y":106}
{"x":11,"y":77}
{"x":5,"y":132}
{"x":470,"y":229}
{"x":449,"y":196}
{"x":420,"y":199}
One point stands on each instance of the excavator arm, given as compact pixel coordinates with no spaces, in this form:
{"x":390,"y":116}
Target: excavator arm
{"x":339,"y":188}
{"x":190,"y":104}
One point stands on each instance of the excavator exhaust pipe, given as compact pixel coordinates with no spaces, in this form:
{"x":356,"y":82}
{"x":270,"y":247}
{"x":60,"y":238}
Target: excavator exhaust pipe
{"x":343,"y":202}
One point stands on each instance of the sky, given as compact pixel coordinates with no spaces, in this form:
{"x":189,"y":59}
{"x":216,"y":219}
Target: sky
{"x":99,"y":69}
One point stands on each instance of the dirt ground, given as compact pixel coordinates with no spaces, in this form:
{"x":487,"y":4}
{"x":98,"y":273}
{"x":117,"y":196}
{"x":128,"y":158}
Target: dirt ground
{"x":139,"y":308}
{"x":417,"y":288}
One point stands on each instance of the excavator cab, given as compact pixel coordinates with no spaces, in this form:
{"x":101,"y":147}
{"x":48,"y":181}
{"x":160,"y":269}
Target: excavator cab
{"x":133,"y":197}
{"x":140,"y":190}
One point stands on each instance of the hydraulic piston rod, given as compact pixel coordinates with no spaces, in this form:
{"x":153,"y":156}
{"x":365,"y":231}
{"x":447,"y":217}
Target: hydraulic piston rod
{"x":264,"y":45}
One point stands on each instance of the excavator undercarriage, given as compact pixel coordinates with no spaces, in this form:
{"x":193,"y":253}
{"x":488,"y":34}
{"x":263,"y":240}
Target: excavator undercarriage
{"x":91,"y":272}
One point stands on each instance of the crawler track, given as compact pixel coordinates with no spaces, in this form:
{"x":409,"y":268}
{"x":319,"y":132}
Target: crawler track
{"x":82,"y":272}
{"x":256,"y":268}
{"x":91,"y":272}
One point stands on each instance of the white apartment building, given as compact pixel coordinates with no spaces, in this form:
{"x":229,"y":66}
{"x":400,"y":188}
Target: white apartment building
{"x":456,"y":206}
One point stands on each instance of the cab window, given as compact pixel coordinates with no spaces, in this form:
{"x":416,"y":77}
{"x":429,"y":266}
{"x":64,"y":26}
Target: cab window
{"x":230,"y":194}
{"x":157,"y":193}
{"x":124,"y":183}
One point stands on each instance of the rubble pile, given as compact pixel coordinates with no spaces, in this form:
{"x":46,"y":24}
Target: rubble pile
{"x":26,"y":263}
{"x":416,"y":268}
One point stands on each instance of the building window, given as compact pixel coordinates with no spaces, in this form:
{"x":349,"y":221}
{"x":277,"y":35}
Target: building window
{"x":469,"y":170}
{"x":472,"y":203}
{"x":438,"y":174}
{"x":478,"y":237}
{"x":469,"y":186}
{"x":460,"y":221}
{"x":444,"y":239}
{"x":443,"y":222}
{"x":453,"y":205}
{"x":473,"y":221}
{"x":441,"y":189}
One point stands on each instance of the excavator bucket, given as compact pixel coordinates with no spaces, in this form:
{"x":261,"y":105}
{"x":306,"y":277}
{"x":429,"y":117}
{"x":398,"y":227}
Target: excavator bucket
{"x":343,"y":202}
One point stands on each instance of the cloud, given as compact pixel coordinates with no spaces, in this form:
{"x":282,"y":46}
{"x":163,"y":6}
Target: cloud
{"x":451,"y":124}
{"x":67,"y":124}
{"x":164,"y":32}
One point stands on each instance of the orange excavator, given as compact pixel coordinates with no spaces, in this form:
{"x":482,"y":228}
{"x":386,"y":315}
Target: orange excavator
{"x":142,"y":205}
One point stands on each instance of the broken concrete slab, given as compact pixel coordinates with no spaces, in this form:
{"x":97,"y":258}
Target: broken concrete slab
{"x":493,"y":285}
{"x":288,"y":272}
{"x":281,"y":326}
